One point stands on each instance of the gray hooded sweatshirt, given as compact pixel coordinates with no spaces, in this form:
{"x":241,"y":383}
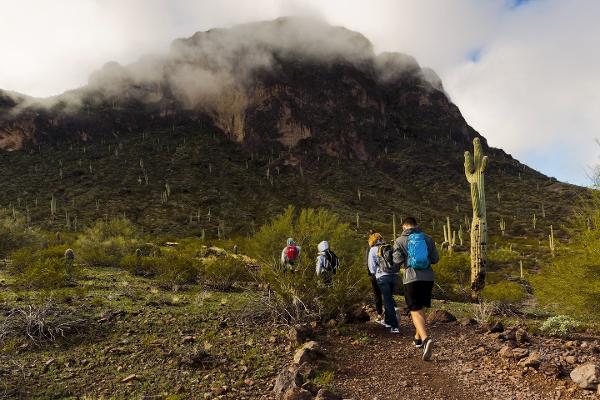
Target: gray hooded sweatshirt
{"x":401,"y":254}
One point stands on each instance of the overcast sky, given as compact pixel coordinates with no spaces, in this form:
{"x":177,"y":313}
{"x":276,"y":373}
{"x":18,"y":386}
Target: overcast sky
{"x":525,"y":74}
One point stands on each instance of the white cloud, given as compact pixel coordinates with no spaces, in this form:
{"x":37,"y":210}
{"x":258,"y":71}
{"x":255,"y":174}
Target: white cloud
{"x":535,"y":90}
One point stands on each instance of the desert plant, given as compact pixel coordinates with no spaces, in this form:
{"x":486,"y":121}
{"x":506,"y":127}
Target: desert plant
{"x":559,"y":326}
{"x":484,"y":311}
{"x":41,"y":268}
{"x":301,"y":295}
{"x":224,"y":272}
{"x":107,"y":242}
{"x":452,"y":275}
{"x":475,"y":166}
{"x":507,"y":292}
{"x":15,"y":234}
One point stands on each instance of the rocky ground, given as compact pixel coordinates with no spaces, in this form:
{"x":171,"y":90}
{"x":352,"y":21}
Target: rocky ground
{"x":469,"y":361}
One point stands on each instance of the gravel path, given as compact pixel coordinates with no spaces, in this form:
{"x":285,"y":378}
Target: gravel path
{"x":374,"y":364}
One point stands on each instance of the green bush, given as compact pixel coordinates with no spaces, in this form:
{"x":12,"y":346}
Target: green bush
{"x":570,"y":283}
{"x":170,"y":269}
{"x":224,"y":272}
{"x":106,"y":243}
{"x":504,"y":292}
{"x":45,"y":268}
{"x":301,"y":295}
{"x":15,"y":234}
{"x":559,"y":326}
{"x":453,"y":275}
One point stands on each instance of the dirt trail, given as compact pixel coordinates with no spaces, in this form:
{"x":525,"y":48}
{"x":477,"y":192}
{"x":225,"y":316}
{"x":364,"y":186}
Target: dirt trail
{"x":374,"y":364}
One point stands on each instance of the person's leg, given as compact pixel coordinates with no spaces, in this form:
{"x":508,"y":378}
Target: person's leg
{"x":386,"y":285}
{"x":418,"y":318}
{"x":377,"y":296}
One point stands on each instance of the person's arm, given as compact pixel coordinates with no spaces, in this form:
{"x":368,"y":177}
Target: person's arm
{"x":319,"y":267}
{"x":372,"y":260}
{"x":283,"y":257}
{"x":434,"y":256}
{"x":399,"y":254}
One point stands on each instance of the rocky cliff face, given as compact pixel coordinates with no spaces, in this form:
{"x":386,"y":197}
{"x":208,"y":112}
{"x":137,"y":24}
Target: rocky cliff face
{"x":272,"y":85}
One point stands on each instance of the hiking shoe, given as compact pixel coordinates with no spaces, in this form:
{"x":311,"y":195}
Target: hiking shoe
{"x":395,"y":330}
{"x":418,"y":343}
{"x":427,"y":349}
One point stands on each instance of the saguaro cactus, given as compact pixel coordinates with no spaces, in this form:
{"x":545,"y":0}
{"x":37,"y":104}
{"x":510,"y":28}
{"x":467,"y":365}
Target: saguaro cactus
{"x":475,"y":166}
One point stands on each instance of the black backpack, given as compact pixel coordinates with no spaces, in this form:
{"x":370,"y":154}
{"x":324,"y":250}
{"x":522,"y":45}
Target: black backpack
{"x":332,"y":262}
{"x":385,"y":255}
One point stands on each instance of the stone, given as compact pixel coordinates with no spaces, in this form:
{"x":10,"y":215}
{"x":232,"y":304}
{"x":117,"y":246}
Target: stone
{"x":519,"y":353}
{"x":300,"y":333}
{"x":286,"y":379}
{"x":553,"y":370}
{"x":522,"y":336}
{"x":508,"y":336}
{"x":571,"y":359}
{"x":357,"y":314}
{"x":442,"y":316}
{"x":467,"y":321}
{"x":586,"y":376}
{"x":532,"y":361}
{"x":325,"y":394}
{"x":496,"y":327}
{"x":332,"y":323}
{"x":311,"y":387}
{"x":505,"y":352}
{"x":310,"y":352}
{"x":296,"y":393}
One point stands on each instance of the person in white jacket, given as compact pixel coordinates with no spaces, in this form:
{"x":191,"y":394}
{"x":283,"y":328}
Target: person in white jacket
{"x":327,"y":262}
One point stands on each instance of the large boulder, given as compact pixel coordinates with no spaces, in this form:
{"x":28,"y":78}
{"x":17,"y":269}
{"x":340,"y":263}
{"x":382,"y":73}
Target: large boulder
{"x":442,"y":316}
{"x":309,"y":353}
{"x":586,"y":376}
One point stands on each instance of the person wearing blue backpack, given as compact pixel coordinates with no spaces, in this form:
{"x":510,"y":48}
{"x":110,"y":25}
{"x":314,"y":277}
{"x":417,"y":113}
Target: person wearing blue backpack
{"x":416,"y":252}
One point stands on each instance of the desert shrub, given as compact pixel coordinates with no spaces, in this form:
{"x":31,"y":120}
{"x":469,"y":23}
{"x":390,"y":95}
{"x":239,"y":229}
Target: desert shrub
{"x":224,"y":272}
{"x":15,"y":234}
{"x":453,"y":274}
{"x":559,"y":326}
{"x":106,"y":243}
{"x":301,"y":295}
{"x":504,"y":292}
{"x":504,"y":255}
{"x":174,"y":270}
{"x":170,"y":269}
{"x":41,"y":268}
{"x":570,"y":283}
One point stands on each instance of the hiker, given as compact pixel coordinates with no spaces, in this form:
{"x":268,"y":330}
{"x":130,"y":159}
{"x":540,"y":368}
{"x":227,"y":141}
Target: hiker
{"x":374,"y":237}
{"x":381,"y":264}
{"x":416,"y":251}
{"x":289,"y":255}
{"x":327,"y":263}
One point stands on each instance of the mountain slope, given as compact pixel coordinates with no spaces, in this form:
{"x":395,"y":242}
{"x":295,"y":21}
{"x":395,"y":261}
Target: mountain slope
{"x":247,"y":120}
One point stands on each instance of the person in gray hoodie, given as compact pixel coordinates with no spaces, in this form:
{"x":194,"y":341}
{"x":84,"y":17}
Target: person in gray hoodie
{"x":416,"y":252}
{"x":387,"y":280}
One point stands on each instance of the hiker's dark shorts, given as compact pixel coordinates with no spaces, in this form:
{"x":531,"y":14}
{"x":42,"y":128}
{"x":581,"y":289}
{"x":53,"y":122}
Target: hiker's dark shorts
{"x":418,"y":295}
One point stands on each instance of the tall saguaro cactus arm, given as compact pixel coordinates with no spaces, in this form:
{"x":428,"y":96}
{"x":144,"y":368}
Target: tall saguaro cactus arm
{"x":475,"y":166}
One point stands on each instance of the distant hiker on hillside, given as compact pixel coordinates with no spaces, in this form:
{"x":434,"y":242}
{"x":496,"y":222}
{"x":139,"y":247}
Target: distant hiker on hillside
{"x":290,"y":254}
{"x":378,"y":298}
{"x":327,"y":263}
{"x":416,"y":252}
{"x":381,"y":264}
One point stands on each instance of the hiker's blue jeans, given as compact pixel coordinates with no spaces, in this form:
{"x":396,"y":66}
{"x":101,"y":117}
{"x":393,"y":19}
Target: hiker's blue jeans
{"x":387,"y":284}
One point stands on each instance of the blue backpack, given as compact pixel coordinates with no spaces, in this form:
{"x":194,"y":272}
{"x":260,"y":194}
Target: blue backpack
{"x":418,"y":255}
